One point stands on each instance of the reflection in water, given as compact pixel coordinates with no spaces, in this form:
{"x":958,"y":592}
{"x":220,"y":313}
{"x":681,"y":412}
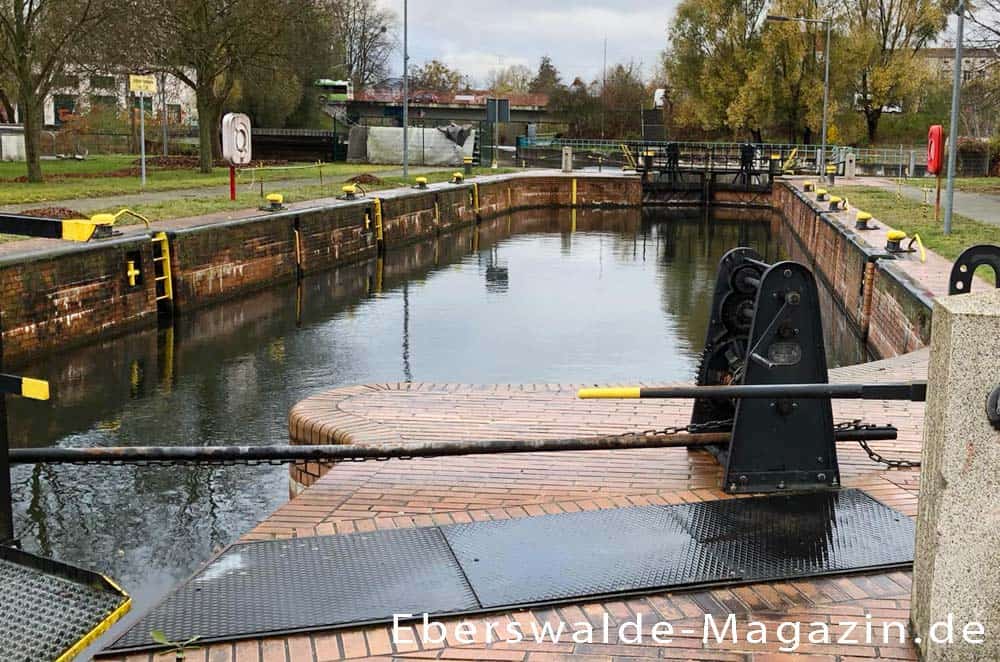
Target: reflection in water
{"x":546,"y":296}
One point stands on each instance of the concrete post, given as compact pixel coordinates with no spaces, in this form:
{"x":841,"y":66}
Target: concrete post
{"x":567,"y":159}
{"x":956,"y":573}
{"x":850,"y":166}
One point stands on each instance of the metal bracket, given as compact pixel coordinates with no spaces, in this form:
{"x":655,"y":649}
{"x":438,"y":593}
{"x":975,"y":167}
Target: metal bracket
{"x":993,"y":408}
{"x":965,"y":267}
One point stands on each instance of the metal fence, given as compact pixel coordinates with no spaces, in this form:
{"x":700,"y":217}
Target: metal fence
{"x":901,"y":161}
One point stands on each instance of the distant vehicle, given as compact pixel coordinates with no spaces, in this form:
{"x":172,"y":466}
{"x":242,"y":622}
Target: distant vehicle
{"x":465,"y":98}
{"x":659,"y":97}
{"x":334,"y":91}
{"x":424,"y":97}
{"x":888,"y":108}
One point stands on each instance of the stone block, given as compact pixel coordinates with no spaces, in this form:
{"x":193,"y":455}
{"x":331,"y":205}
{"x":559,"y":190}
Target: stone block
{"x":957,"y":563}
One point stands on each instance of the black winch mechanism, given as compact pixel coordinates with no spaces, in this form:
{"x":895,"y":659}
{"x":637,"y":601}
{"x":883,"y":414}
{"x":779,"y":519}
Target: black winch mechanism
{"x":763,"y":378}
{"x":766,"y":329}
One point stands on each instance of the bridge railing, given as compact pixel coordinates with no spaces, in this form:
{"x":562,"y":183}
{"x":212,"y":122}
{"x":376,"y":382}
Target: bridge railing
{"x":888,"y":161}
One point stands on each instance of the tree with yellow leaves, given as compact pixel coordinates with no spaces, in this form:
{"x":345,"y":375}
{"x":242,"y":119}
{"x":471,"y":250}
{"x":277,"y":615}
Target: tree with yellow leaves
{"x":884,"y":37}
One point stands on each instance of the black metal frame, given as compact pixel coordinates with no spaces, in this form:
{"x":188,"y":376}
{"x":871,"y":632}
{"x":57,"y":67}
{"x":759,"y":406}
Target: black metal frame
{"x":766,"y":331}
{"x":964,"y":269}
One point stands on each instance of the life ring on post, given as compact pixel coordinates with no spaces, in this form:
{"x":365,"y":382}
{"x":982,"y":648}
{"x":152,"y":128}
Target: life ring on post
{"x":935,"y":149}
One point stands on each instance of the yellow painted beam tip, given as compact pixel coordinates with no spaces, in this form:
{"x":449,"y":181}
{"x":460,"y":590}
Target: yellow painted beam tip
{"x":36,"y":389}
{"x":627,"y":392}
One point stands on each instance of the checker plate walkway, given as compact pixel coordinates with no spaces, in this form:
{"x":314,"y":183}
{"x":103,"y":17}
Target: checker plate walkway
{"x":285,"y":586}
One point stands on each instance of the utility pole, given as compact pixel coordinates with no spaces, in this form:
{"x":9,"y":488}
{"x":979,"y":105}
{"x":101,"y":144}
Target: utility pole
{"x":826,"y":97}
{"x":956,"y":98}
{"x":604,"y":84}
{"x":406,"y":99}
{"x":164,"y":118}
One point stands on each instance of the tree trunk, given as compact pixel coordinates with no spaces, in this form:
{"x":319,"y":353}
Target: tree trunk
{"x":7,"y":107}
{"x":872,"y":116}
{"x":216,"y":116}
{"x":206,"y":127}
{"x":32,"y":109}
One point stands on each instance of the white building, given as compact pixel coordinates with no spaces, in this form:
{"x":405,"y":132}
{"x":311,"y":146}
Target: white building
{"x":976,"y":62}
{"x":78,"y":93}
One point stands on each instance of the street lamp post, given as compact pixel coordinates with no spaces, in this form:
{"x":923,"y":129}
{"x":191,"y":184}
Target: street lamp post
{"x":406,"y":99}
{"x":956,"y":97}
{"x":827,"y":23}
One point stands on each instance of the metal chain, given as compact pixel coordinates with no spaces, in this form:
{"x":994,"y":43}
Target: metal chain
{"x":692,"y":428}
{"x":872,"y":455}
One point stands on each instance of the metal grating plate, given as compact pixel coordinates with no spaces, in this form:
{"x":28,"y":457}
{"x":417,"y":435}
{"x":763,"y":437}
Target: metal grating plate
{"x":307,"y":583}
{"x":314,"y":583}
{"x":47,"y":607}
{"x":555,"y":557}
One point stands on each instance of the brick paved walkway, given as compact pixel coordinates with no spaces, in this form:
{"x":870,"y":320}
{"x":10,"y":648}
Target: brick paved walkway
{"x":379,"y":495}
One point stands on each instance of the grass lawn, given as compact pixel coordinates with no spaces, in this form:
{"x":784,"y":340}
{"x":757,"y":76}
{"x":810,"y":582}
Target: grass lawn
{"x":250,"y":199}
{"x":916,"y":218}
{"x":68,"y":179}
{"x":967,"y":184}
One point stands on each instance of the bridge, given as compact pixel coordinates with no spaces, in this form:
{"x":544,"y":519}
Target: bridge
{"x":439,"y":106}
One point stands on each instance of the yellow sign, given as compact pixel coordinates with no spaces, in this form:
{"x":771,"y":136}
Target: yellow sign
{"x":142,"y":84}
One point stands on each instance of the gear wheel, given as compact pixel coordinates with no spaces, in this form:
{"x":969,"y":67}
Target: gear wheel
{"x":721,"y":364}
{"x":738,"y":281}
{"x":736,"y":312}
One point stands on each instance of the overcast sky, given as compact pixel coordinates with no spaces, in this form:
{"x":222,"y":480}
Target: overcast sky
{"x":476,"y":36}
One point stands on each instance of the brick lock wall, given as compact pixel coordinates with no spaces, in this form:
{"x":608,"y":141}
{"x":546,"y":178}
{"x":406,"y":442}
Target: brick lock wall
{"x":455,"y":205}
{"x":57,"y":299}
{"x":334,"y":236}
{"x":214,"y":262}
{"x":408,"y":217}
{"x":900,"y":321}
{"x":879,"y":299}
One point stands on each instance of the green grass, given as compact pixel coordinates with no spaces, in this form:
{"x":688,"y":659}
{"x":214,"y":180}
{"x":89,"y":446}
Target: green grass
{"x":917,"y":218}
{"x":976,"y":184}
{"x":187,"y":207}
{"x":61,"y":185}
{"x":967,"y":184}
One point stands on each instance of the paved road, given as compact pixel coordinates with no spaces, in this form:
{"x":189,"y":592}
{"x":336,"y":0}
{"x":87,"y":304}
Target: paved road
{"x":984,"y":207}
{"x":88,"y":205}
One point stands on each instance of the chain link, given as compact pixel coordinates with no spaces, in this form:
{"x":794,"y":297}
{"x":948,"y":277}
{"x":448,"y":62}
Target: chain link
{"x":692,"y":428}
{"x":872,"y":454}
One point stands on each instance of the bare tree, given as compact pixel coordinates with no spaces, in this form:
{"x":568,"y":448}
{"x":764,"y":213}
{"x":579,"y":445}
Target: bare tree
{"x":38,"y":39}
{"x":367,"y":37}
{"x":209,"y":45}
{"x":515,"y":79}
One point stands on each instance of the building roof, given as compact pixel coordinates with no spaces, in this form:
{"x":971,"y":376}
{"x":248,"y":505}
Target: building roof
{"x":949,"y":53}
{"x":470,"y":98}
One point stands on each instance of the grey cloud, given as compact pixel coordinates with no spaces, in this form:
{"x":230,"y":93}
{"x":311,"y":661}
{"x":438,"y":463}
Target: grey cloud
{"x":479,"y":35}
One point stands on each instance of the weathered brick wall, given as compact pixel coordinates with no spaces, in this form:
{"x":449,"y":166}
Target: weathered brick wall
{"x":214,"y":262}
{"x":409,"y":217}
{"x":900,"y":312}
{"x":891,"y":313}
{"x":59,"y":298}
{"x":455,"y":205}
{"x":335,"y":235}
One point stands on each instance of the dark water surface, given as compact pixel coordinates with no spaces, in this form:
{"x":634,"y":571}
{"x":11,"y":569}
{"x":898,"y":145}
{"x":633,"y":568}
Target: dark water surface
{"x":537,"y":297}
